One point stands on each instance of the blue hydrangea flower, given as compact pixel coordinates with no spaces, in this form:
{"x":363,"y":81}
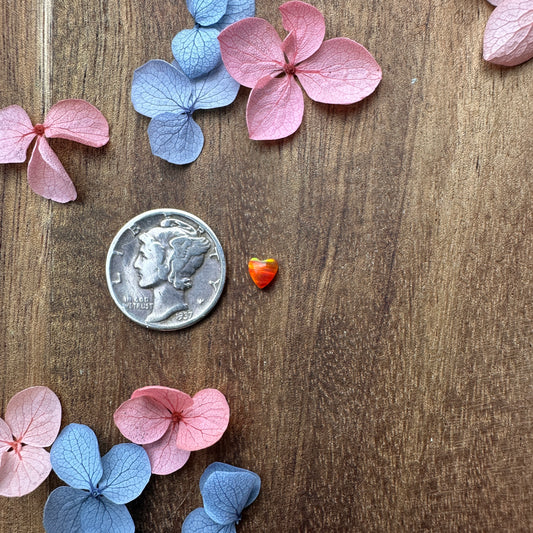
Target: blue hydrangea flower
{"x":99,"y":487}
{"x":197,"y":50}
{"x":164,"y":93}
{"x":226,"y":491}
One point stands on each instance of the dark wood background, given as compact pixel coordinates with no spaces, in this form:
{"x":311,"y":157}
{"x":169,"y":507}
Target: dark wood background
{"x":383,"y":382}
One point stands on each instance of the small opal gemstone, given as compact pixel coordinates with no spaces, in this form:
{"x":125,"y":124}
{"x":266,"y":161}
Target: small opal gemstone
{"x":262,"y":272}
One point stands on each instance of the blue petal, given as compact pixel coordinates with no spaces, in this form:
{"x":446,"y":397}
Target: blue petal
{"x":126,"y":472}
{"x":199,"y":522}
{"x":99,"y":515}
{"x":216,"y":89}
{"x":207,"y":12}
{"x":62,"y":510}
{"x":158,"y":87}
{"x":227,"y":493}
{"x":75,"y":457}
{"x":224,"y":467}
{"x":236,"y":10}
{"x":197,"y":50}
{"x":175,"y":64}
{"x":218,"y":467}
{"x":175,"y":138}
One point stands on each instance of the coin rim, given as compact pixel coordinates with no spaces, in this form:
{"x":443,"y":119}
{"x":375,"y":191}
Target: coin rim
{"x":201,"y":223}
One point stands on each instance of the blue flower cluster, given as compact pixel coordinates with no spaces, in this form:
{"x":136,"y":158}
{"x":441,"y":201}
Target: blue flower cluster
{"x":197,"y":50}
{"x":197,"y":79}
{"x":99,"y":487}
{"x":226,"y":491}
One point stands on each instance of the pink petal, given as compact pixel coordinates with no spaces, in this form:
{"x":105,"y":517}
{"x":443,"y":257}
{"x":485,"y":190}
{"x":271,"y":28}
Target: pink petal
{"x":341,"y":72}
{"x":275,"y":108}
{"x":165,"y":457}
{"x":34,"y":416}
{"x":509,"y":33}
{"x":46,"y":175}
{"x":174,"y":400}
{"x":16,"y":134}
{"x":77,"y":120}
{"x":21,"y":475}
{"x":495,"y":2}
{"x":6,"y":437}
{"x":306,"y":28}
{"x":142,"y":420}
{"x":205,"y":422}
{"x":251,"y":49}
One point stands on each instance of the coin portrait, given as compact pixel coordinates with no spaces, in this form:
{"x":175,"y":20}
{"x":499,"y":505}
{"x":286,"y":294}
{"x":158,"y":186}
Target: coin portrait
{"x":165,"y":269}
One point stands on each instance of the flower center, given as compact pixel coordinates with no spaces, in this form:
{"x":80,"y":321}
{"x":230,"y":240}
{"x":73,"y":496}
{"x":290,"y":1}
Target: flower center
{"x":95,"y":492}
{"x":16,"y":447}
{"x":289,"y":69}
{"x":38,"y":129}
{"x":176,"y":417}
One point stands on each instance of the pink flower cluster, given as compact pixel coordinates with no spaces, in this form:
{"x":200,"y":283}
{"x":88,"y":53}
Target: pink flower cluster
{"x":75,"y":120}
{"x":170,"y":424}
{"x":336,"y":71}
{"x":32,"y":421}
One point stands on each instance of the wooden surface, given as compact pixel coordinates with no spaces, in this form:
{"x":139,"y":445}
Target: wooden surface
{"x":383,"y":382}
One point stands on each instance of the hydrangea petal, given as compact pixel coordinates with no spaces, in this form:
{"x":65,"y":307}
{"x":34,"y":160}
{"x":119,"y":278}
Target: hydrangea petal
{"x":158,"y":87}
{"x":197,"y":50}
{"x":224,"y":467}
{"x":142,"y":420}
{"x":495,"y":2}
{"x":6,"y":437}
{"x":275,"y":108}
{"x":76,"y":458}
{"x":99,"y":515}
{"x":47,"y":176}
{"x":77,"y":120}
{"x":198,"y":521}
{"x":126,"y":472}
{"x":16,"y":134}
{"x":306,"y":27}
{"x":62,"y":510}
{"x":207,"y":12}
{"x":34,"y":416}
{"x":508,"y":36}
{"x":204,"y":423}
{"x":225,"y":495}
{"x":165,"y":456}
{"x":21,"y":473}
{"x":251,"y":50}
{"x":236,"y":10}
{"x":174,"y":400}
{"x":175,"y":138}
{"x":341,"y":72}
{"x":216,"y":89}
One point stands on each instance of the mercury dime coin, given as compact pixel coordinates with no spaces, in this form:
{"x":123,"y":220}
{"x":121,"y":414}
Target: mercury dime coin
{"x":165,"y":269}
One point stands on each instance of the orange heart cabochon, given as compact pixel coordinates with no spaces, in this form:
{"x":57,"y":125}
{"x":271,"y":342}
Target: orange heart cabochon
{"x":262,"y":272}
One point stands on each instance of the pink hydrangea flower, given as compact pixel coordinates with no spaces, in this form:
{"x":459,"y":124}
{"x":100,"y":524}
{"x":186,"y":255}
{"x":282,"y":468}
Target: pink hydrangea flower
{"x":170,"y":424}
{"x":32,"y":421}
{"x":508,"y":37}
{"x":75,"y":120}
{"x":336,"y":71}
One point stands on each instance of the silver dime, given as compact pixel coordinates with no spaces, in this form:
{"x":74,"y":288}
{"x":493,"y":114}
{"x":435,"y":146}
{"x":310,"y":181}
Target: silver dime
{"x":165,"y":269}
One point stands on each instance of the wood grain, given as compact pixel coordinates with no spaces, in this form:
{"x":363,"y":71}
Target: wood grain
{"x":383,"y":381}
